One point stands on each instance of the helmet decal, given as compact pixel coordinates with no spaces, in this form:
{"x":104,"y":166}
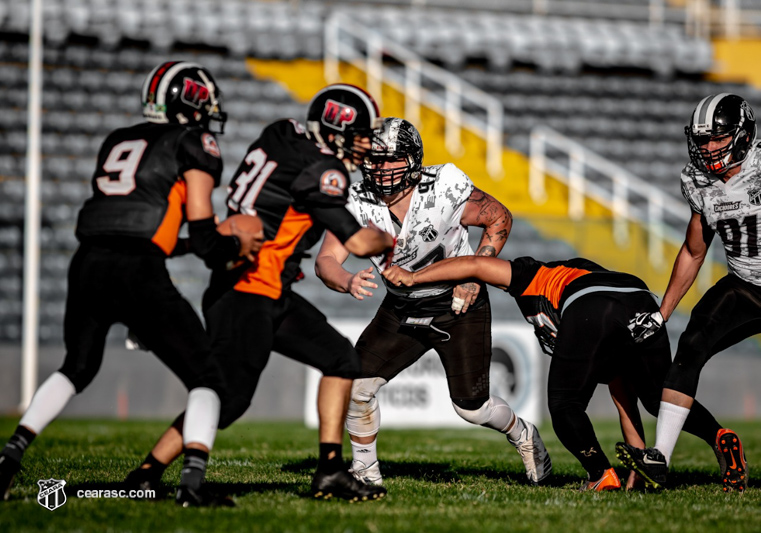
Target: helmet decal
{"x":194,"y":93}
{"x":337,"y":115}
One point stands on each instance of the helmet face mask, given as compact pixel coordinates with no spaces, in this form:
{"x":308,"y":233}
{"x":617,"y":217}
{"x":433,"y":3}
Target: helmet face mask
{"x":726,"y":122}
{"x":395,"y":161}
{"x":182,"y":93}
{"x":343,"y":118}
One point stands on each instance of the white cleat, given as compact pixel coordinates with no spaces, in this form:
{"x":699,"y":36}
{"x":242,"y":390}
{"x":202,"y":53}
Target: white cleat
{"x":369,"y":475}
{"x":533,"y":452}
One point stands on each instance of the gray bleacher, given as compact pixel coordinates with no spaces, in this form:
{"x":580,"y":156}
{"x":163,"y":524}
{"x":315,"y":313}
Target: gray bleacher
{"x":89,"y":90}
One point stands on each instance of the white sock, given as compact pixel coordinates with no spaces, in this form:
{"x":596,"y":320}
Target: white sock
{"x":670,"y":422}
{"x":367,"y":453}
{"x":517,"y":429}
{"x":48,"y":402}
{"x":201,"y":417}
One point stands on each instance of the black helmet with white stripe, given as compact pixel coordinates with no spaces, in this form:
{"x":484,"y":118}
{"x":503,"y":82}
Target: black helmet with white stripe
{"x":346,"y":112}
{"x":185,"y":93}
{"x":724,"y":116}
{"x":396,"y":158}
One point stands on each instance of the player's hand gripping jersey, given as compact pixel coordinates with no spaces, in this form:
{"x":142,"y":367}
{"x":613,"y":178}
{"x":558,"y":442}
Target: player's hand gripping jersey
{"x":431,"y":230}
{"x":733,"y":210}
{"x":544,"y":290}
{"x":138,"y":190}
{"x":298,"y":190}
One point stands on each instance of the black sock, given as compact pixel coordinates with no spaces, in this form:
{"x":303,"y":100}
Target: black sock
{"x":331,"y":458}
{"x":155,"y":466}
{"x":194,"y":468}
{"x":18,"y":443}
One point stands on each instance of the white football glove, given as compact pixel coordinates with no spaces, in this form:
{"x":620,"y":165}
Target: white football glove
{"x":643,"y":325}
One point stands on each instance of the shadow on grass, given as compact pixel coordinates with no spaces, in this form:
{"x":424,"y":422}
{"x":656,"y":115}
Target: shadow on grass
{"x":439,"y":472}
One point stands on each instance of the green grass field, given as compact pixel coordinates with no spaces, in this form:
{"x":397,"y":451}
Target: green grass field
{"x":438,"y":480}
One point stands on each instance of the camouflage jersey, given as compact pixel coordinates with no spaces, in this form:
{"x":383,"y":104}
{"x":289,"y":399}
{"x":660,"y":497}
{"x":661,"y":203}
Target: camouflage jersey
{"x":732,"y":210}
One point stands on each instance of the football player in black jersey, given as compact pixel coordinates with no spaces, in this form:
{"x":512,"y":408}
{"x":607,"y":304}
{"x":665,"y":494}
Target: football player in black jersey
{"x":149,"y":179}
{"x":580,"y":312}
{"x":295,"y":178}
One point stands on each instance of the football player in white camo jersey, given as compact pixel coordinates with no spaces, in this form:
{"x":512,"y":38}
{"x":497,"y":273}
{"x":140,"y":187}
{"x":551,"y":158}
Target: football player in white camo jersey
{"x":722,"y":184}
{"x":428,"y":209}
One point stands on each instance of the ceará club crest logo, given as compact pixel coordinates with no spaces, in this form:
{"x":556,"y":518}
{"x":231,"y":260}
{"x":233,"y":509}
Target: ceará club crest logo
{"x":51,"y":494}
{"x":337,"y":115}
{"x":194,"y":93}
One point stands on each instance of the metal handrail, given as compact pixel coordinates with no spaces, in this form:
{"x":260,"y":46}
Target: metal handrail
{"x":416,"y":82}
{"x":617,"y":189}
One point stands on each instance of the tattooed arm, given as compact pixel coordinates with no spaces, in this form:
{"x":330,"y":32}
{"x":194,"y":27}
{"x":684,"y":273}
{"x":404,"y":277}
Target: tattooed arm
{"x":483,"y":210}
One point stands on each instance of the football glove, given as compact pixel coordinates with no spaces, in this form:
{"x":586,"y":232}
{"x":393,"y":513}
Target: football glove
{"x":644,"y":325}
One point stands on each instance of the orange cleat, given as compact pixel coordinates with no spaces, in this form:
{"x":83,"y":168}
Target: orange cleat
{"x":608,"y":481}
{"x":731,"y":456}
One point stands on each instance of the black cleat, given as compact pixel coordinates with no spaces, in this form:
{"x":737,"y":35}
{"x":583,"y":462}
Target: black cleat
{"x":731,"y":456}
{"x":342,"y":484}
{"x":201,"y":497}
{"x":648,"y":463}
{"x":143,"y":479}
{"x":9,"y":467}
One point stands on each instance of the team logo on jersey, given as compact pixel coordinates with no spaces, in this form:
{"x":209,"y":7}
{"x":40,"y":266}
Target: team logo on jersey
{"x":210,"y":145}
{"x":728,"y":206}
{"x":332,"y":183}
{"x":337,"y":115}
{"x":194,"y":93}
{"x":754,"y":196}
{"x":429,"y":234}
{"x":51,"y":494}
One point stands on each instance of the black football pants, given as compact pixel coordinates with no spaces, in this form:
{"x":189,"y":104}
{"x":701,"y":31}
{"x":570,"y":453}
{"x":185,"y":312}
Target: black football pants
{"x":131,"y":285}
{"x":463,"y":343}
{"x":595,"y":346}
{"x":245,"y":328}
{"x":728,"y":312}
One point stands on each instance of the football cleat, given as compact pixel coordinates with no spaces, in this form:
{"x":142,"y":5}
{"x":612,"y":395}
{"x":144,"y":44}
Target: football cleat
{"x":648,"y":463}
{"x":342,"y":484}
{"x":731,"y":456}
{"x":9,"y":467}
{"x":143,"y":479}
{"x":200,"y":497}
{"x":369,"y":475}
{"x":608,"y":481}
{"x":533,"y":452}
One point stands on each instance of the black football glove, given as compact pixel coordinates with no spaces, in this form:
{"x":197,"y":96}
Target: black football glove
{"x":643,"y":325}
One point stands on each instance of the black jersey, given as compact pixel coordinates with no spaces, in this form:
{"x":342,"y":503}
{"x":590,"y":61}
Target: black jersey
{"x":138,"y":190}
{"x":297,"y":189}
{"x":544,"y":290}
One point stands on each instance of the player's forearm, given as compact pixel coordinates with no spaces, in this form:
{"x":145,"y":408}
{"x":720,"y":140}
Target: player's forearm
{"x":496,"y":232}
{"x":368,"y":242}
{"x":452,"y":269}
{"x":332,"y":274}
{"x":686,"y":268}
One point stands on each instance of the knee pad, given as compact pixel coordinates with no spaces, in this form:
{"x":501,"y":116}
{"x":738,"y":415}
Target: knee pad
{"x":494,"y":413}
{"x":363,"y":417}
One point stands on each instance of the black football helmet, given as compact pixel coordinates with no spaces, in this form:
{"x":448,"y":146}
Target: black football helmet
{"x":720,"y":115}
{"x":398,"y":140}
{"x":348,"y":113}
{"x":182,"y":93}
